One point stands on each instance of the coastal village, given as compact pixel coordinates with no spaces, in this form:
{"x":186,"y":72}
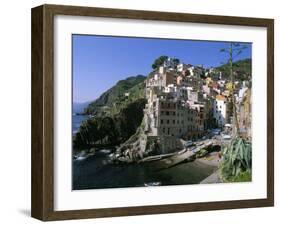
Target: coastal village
{"x":192,"y":120}
{"x":187,"y":103}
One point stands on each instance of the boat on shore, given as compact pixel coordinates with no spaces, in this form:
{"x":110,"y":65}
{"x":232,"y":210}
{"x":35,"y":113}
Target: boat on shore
{"x":152,"y":184}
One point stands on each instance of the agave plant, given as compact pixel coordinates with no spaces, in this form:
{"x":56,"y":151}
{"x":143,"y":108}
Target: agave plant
{"x":237,"y":159}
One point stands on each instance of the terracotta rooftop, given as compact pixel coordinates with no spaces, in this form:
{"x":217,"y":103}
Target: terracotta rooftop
{"x":220,"y":97}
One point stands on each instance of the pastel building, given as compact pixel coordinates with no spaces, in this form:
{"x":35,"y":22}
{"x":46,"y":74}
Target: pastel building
{"x":220,"y":110}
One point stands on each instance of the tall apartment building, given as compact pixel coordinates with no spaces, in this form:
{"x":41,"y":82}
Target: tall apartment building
{"x":220,"y":109}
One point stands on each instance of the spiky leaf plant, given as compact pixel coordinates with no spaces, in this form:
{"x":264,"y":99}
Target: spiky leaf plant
{"x":237,"y":159}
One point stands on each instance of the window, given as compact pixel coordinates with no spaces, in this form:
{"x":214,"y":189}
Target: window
{"x":174,"y":121}
{"x":168,"y":121}
{"x":163,"y":130}
{"x":161,"y":121}
{"x":168,"y":131}
{"x":167,"y":113}
{"x":174,"y":113}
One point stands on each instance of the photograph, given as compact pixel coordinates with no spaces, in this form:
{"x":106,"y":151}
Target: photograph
{"x":160,"y":112}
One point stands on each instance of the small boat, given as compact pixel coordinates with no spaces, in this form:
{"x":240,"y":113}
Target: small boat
{"x":79,"y":158}
{"x":105,"y":151}
{"x":151,"y":184}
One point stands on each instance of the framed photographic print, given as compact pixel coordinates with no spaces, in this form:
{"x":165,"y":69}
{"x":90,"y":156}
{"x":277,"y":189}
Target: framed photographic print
{"x":141,"y":112}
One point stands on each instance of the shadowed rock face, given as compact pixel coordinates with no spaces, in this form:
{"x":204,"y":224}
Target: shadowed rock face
{"x":116,"y":115}
{"x":110,"y":130}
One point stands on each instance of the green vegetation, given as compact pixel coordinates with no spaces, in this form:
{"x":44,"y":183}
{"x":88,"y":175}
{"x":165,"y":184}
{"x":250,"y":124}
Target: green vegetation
{"x":237,"y":161}
{"x":242,"y":70}
{"x":245,"y":176}
{"x":117,"y":97}
{"x":159,"y":61}
{"x":135,"y":93}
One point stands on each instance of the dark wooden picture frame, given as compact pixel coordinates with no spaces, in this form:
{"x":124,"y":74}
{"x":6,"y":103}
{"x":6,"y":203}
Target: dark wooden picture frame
{"x":43,"y":110}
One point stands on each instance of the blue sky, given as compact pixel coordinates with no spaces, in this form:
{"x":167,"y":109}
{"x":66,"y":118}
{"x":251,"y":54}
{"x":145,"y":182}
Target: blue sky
{"x":100,"y":61}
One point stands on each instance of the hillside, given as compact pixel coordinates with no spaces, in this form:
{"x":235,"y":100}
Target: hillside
{"x":116,"y":115}
{"x":242,"y":69}
{"x":114,"y":99}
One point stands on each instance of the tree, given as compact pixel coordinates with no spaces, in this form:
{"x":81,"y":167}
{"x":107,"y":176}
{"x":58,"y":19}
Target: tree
{"x":236,"y":163}
{"x":176,"y":61}
{"x":159,"y":61}
{"x":234,"y":49}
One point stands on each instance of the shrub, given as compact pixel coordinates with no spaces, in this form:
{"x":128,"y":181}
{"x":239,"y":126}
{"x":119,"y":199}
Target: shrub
{"x":237,"y":160}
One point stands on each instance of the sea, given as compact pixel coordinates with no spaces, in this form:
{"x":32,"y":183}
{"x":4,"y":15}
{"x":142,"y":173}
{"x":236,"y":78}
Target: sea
{"x":96,"y":172}
{"x":77,"y":118}
{"x":77,"y":121}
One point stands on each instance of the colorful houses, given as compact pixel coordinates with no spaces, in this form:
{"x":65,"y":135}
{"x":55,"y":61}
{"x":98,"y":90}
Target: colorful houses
{"x":182,"y":104}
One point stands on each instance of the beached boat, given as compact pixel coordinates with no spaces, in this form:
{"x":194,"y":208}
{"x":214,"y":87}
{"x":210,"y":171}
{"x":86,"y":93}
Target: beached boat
{"x":150,"y":184}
